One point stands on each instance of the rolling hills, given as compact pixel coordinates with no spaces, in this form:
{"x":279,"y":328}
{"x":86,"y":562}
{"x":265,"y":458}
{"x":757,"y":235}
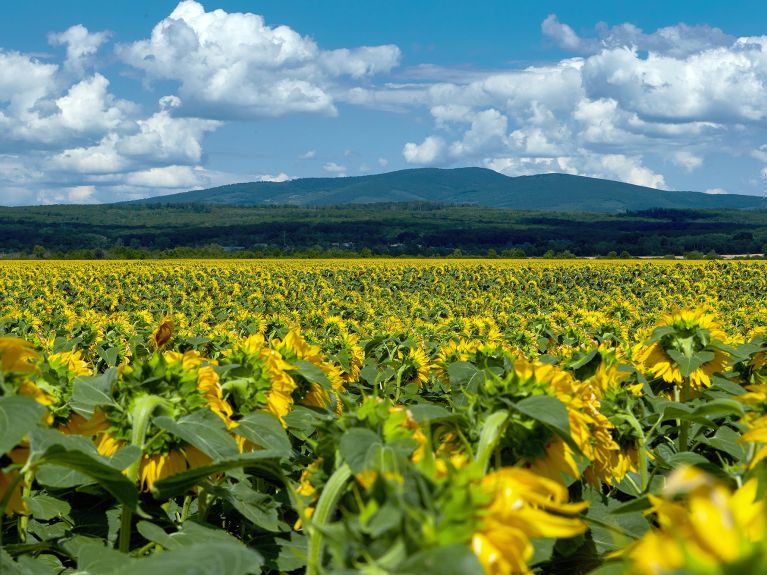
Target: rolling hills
{"x":462,"y":186}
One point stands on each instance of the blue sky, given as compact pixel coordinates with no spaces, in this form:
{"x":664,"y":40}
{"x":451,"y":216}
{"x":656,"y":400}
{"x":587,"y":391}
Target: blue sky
{"x":107,"y":101}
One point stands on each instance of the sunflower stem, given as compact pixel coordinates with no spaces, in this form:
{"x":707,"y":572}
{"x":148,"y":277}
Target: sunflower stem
{"x":141,"y":414}
{"x":26,"y":491}
{"x":682,"y":425}
{"x":326,"y":505}
{"x":126,"y":519}
{"x":491,"y":433}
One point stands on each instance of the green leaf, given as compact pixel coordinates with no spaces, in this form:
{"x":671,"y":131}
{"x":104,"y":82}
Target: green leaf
{"x":157,"y":534}
{"x":463,"y":374}
{"x":312,"y":373}
{"x":91,"y":392}
{"x":258,"y":508}
{"x":354,"y":446}
{"x":96,"y":559}
{"x":724,"y":384}
{"x":45,"y":507}
{"x":18,"y":416}
{"x":727,"y":440}
{"x":204,"y":430}
{"x":292,"y":552}
{"x":80,"y":455}
{"x":203,"y":557}
{"x":450,"y":560}
{"x":718,"y":408}
{"x":551,"y":412}
{"x":265,"y":462}
{"x":688,"y":364}
{"x":428,"y":412}
{"x":189,"y":534}
{"x":264,"y":430}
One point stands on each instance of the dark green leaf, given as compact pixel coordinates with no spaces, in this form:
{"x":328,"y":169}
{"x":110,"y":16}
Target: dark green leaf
{"x":689,"y":364}
{"x":203,"y":557}
{"x":462,"y":374}
{"x":45,"y":507}
{"x":354,"y":447}
{"x":450,"y":560}
{"x":428,"y":412}
{"x":18,"y":416}
{"x":96,"y":559}
{"x":312,"y":373}
{"x":265,"y":462}
{"x":551,"y":412}
{"x":88,"y":393}
{"x":80,"y":455}
{"x":264,"y":430}
{"x":204,"y":430}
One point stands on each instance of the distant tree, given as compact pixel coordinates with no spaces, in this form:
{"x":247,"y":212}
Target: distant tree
{"x":491,"y":253}
{"x":38,"y":251}
{"x":549,"y":255}
{"x":625,"y":255}
{"x":612,"y":255}
{"x":513,"y":253}
{"x":694,"y":255}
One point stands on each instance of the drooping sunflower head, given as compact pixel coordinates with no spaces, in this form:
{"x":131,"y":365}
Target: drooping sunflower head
{"x":685,"y":344}
{"x":522,"y":506}
{"x":703,"y":527}
{"x":17,"y":355}
{"x":164,"y":332}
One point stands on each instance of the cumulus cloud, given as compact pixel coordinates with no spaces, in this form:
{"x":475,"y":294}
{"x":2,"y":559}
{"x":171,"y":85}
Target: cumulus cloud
{"x":628,"y":105}
{"x":308,"y":155}
{"x":335,"y":169}
{"x":427,"y":152}
{"x":678,"y":41}
{"x":235,"y":65}
{"x":687,"y":160}
{"x":561,"y":33}
{"x":281,"y":177}
{"x":81,"y":46}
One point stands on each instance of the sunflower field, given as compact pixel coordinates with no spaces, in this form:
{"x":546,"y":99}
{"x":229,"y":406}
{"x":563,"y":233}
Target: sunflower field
{"x":383,"y":417}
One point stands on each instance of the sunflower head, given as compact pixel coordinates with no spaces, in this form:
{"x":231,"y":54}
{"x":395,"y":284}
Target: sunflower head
{"x":685,"y":344}
{"x":17,"y":355}
{"x":164,"y":332}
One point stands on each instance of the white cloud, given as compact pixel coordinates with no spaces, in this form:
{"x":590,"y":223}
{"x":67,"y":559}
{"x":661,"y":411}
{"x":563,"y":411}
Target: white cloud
{"x":687,"y":160}
{"x":308,"y":155}
{"x":678,"y":40}
{"x":610,"y":166}
{"x":561,"y":33}
{"x":427,"y":152}
{"x":165,"y":177}
{"x":631,"y":170}
{"x":716,"y":191}
{"x":383,"y":162}
{"x":81,"y":46}
{"x":281,"y":177}
{"x":335,"y":169}
{"x":235,"y":65}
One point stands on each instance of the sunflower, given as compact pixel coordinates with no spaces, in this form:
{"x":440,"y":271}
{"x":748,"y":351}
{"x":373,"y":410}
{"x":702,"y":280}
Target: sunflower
{"x":689,"y":336}
{"x":18,"y":456}
{"x":522,"y":506}
{"x":163,"y":333}
{"x":701,"y":525}
{"x":16,"y":355}
{"x":71,"y":362}
{"x":159,"y":466}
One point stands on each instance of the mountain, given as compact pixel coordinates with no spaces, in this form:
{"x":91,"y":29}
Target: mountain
{"x":475,"y":186}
